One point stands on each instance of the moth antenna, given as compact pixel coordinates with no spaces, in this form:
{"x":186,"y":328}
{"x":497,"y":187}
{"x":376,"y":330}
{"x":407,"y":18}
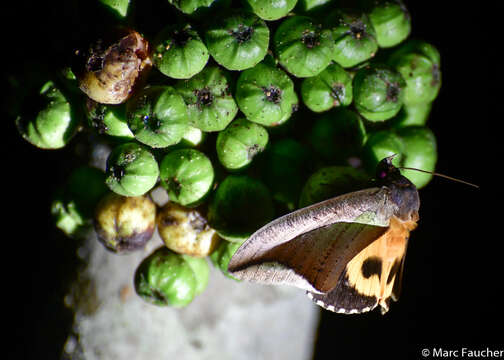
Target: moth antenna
{"x":440,"y":175}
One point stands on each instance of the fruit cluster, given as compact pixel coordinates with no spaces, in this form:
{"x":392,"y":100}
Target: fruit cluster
{"x":239,"y":112}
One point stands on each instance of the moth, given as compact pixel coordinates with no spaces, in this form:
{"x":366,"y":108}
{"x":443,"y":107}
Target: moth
{"x":347,"y":252}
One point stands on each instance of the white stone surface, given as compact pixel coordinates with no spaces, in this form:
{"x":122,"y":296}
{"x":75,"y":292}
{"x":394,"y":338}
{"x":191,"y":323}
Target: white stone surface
{"x":229,"y":320}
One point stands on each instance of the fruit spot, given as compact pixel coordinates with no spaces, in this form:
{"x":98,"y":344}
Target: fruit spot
{"x":242,"y":34}
{"x":357,"y":29}
{"x":273,"y":94}
{"x":204,"y":97}
{"x":393,"y":91}
{"x":310,"y":39}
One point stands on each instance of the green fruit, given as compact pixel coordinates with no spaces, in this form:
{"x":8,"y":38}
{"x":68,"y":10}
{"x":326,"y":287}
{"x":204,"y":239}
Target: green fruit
{"x":239,"y":143}
{"x":118,"y":7}
{"x":73,"y":207}
{"x":391,"y":21}
{"x":207,"y":95}
{"x":166,"y":279}
{"x":201,"y":271}
{"x":185,"y":230}
{"x":131,"y":170}
{"x":187,"y":175}
{"x":108,"y":119}
{"x":354,"y":37}
{"x":338,"y":135}
{"x":380,"y":145}
{"x":179,"y":52}
{"x":222,"y":256}
{"x":157,"y":116}
{"x":240,"y":206}
{"x":51,"y":123}
{"x":193,"y":137}
{"x":190,"y":6}
{"x":286,"y":164}
{"x":238,"y":41}
{"x":68,"y":217}
{"x":302,"y":46}
{"x":331,"y":88}
{"x":311,"y":5}
{"x":378,"y":92}
{"x":420,"y":152}
{"x":332,"y":181}
{"x":265,"y":94}
{"x":412,"y":115}
{"x":124,"y":224}
{"x":272,"y":9}
{"x":419,"y":65}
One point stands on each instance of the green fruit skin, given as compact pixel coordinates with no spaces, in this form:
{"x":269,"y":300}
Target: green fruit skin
{"x":338,"y":134}
{"x":420,"y":152}
{"x":187,"y":175}
{"x":302,"y":47}
{"x":240,"y":206}
{"x":419,"y":64}
{"x":354,"y":38}
{"x":231,"y":48}
{"x":108,"y":119}
{"x":201,"y":271}
{"x":119,"y":7}
{"x":239,"y":143}
{"x":190,"y":6}
{"x":166,"y":279}
{"x":332,"y":181}
{"x":68,"y":217}
{"x":207,"y":96}
{"x":131,"y":170}
{"x":412,"y":115}
{"x":265,"y":94}
{"x":414,"y":146}
{"x":378,"y":92}
{"x":331,"y":88}
{"x":179,"y":52}
{"x":391,"y":22}
{"x":287,"y":162}
{"x":222,"y":256}
{"x":272,"y":9}
{"x":380,"y":145}
{"x":54,"y":124}
{"x":158,"y":116}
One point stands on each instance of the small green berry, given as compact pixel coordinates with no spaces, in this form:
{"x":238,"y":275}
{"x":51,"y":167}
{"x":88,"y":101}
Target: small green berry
{"x":179,"y":52}
{"x":52,"y":123}
{"x":378,"y":92}
{"x":265,"y":94}
{"x":332,"y":181}
{"x":131,"y":170}
{"x":187,"y":175}
{"x":240,"y":206}
{"x":108,"y":119}
{"x":331,"y":88}
{"x":239,"y":143}
{"x":354,"y":37}
{"x":338,"y":135}
{"x":302,"y":46}
{"x":157,"y":116}
{"x":222,"y":256}
{"x":207,"y":95}
{"x":272,"y":9}
{"x":391,"y":21}
{"x":166,"y":279}
{"x":238,"y":41}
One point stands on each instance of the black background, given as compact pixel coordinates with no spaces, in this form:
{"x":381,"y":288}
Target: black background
{"x":452,"y":290}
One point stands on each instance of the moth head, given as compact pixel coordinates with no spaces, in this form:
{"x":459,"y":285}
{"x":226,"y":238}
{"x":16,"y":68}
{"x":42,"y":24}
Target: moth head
{"x":402,"y":191}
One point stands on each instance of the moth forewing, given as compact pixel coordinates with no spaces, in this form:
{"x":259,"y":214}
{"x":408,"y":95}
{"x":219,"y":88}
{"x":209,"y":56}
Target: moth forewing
{"x":291,"y":249}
